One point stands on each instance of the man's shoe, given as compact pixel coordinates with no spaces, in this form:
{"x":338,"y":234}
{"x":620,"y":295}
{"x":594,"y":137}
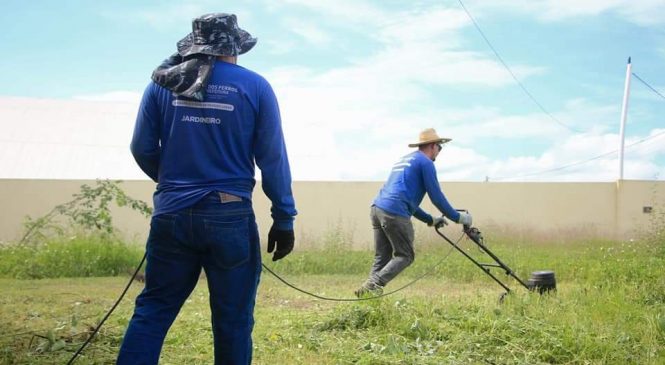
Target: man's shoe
{"x":369,"y":289}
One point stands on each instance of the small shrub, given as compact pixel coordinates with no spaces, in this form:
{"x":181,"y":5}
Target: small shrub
{"x":88,"y":212}
{"x":75,"y":239}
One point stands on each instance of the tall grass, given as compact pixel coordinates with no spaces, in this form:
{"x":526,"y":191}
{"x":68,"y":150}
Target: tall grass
{"x":599,"y":262}
{"x":609,"y":308}
{"x":592,"y":261}
{"x":78,"y":256}
{"x":526,"y":329}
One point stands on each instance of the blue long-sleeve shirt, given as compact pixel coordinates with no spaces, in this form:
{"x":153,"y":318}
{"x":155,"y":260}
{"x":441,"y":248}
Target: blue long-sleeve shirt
{"x":192,"y":148}
{"x":410,"y":178}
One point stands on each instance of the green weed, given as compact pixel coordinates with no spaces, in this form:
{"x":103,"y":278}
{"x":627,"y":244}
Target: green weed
{"x":69,"y":257}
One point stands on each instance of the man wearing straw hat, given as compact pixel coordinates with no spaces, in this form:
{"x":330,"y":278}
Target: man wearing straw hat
{"x":399,"y":199}
{"x":203,"y":123}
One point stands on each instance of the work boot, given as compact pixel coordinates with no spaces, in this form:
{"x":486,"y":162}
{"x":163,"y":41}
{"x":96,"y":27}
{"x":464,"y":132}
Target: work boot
{"x":369,"y":289}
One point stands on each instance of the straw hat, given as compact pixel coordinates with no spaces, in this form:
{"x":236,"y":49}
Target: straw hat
{"x":429,"y":136}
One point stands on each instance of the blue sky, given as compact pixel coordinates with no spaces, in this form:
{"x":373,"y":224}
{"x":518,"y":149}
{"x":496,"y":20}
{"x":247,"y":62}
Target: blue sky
{"x":356,"y":81}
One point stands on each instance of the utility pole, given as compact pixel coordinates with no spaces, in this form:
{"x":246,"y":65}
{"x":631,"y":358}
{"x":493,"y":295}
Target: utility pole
{"x":624,"y":114}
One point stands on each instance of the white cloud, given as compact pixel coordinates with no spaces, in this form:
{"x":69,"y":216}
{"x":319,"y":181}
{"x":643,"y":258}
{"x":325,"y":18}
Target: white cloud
{"x":574,"y":159}
{"x":425,"y":63}
{"x":642,"y":12}
{"x":351,"y":122}
{"x":164,"y":17}
{"x":382,"y":107}
{"x":653,"y":145}
{"x":422,"y":27}
{"x":279,"y":46}
{"x":345,"y":12}
{"x":312,"y":33}
{"x":84,"y":139}
{"x":378,"y":99}
{"x":132,"y":97}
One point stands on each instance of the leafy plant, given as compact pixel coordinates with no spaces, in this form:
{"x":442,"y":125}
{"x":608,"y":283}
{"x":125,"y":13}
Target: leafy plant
{"x":89,"y":212}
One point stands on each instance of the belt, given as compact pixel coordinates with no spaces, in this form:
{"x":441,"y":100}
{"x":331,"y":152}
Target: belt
{"x":228,"y":198}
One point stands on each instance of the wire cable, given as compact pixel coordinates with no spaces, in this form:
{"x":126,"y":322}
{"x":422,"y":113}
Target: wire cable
{"x":429,"y":271}
{"x":583,"y":161}
{"x":108,"y":314}
{"x":122,"y":295}
{"x":558,"y":168}
{"x":505,"y":65}
{"x":649,"y":86}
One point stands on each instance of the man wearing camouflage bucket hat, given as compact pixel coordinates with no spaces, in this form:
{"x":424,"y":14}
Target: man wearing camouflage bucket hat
{"x":399,"y":199}
{"x":202,"y":124}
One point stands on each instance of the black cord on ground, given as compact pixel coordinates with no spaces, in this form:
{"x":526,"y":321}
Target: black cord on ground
{"x":122,"y":295}
{"x":362,"y":298}
{"x":94,"y":332}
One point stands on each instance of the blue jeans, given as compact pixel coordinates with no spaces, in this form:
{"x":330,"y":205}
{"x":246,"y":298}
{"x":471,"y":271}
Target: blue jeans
{"x":221,"y":238}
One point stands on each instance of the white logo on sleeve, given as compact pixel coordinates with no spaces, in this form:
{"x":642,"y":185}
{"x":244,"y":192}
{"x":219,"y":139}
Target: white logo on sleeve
{"x":402,"y":163}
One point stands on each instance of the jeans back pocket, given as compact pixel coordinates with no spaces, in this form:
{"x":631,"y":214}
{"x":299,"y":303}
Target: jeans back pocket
{"x":163,"y":235}
{"x":228,"y":242}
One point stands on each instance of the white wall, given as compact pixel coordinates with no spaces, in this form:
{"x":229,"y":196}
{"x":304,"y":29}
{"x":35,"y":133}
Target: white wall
{"x":537,"y":210}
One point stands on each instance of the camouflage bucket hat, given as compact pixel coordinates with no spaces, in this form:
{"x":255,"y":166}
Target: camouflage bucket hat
{"x":216,"y":34}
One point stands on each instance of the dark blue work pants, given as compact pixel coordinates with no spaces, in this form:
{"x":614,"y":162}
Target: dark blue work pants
{"x":221,"y":238}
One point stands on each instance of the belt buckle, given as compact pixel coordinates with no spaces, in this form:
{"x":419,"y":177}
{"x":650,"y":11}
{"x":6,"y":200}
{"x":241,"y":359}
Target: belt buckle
{"x":228,"y":198}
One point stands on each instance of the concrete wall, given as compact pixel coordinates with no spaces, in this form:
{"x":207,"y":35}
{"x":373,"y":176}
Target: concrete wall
{"x":326,"y":209}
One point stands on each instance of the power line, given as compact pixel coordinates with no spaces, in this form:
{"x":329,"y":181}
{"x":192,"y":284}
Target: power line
{"x":512,"y":74}
{"x":583,"y":161}
{"x":644,"y":140}
{"x":558,"y":168}
{"x":649,"y":86}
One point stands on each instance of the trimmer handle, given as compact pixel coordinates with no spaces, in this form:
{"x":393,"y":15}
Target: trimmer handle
{"x":473,"y":233}
{"x":441,"y":224}
{"x":466,"y":226}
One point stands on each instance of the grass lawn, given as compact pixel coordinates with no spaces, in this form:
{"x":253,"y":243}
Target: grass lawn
{"x":609,"y":309}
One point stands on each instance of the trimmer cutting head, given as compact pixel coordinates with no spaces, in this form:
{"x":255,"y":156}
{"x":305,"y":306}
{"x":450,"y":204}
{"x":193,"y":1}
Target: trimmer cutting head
{"x":542,"y":281}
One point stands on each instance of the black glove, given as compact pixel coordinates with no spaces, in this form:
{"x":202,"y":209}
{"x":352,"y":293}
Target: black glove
{"x":284,"y":241}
